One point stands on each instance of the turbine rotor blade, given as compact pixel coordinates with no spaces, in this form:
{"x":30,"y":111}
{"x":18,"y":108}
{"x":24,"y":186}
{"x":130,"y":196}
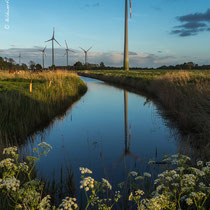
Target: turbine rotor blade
{"x":53,"y":33}
{"x":66,"y":45}
{"x":49,"y":40}
{"x":89,"y":49}
{"x":57,"y":42}
{"x":45,"y":48}
{"x":82,"y":49}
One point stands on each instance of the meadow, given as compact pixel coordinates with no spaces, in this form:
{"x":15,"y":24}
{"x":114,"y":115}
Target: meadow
{"x":30,"y":101}
{"x":184,"y":95}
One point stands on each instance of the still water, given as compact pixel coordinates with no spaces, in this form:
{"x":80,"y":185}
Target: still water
{"x":110,"y":131}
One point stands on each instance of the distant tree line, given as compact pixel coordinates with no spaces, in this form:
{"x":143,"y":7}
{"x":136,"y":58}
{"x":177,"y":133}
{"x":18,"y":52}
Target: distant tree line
{"x":186,"y":66}
{"x":10,"y":64}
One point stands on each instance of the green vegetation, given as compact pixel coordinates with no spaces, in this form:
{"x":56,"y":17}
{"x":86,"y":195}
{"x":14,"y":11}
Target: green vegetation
{"x":30,"y":101}
{"x":185,"y":94}
{"x":184,"y":186}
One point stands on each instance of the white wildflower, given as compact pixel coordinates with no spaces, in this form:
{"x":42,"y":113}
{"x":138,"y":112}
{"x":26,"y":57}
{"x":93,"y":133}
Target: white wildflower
{"x":106,"y":182}
{"x":11,"y":184}
{"x":44,"y":145}
{"x":23,"y":167}
{"x":68,"y":203}
{"x":198,"y":172}
{"x":45,"y":203}
{"x":202,"y":185}
{"x":175,"y":184}
{"x":147,"y":174}
{"x":85,"y":170}
{"x":139,"y":178}
{"x":87,"y":183}
{"x":133,"y":173}
{"x":200,"y":163}
{"x":10,"y":151}
{"x":189,"y":201}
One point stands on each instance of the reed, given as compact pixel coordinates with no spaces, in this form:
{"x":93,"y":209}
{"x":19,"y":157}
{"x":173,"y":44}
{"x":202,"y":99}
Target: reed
{"x":185,"y":95}
{"x":30,"y":101}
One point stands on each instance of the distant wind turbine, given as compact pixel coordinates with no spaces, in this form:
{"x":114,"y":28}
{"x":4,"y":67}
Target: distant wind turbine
{"x":86,"y":52}
{"x":67,"y":53}
{"x":126,"y":55}
{"x":20,"y":58}
{"x":43,"y":56}
{"x":53,"y":39}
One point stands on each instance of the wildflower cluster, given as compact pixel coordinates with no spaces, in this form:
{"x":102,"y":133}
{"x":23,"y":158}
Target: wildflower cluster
{"x":16,"y":183}
{"x":96,"y":190}
{"x":68,"y":203}
{"x":186,"y":184}
{"x":85,"y":170}
{"x":87,"y":183}
{"x":10,"y":184}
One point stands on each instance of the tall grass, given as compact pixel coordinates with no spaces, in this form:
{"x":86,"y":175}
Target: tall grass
{"x":23,"y":112}
{"x":185,"y":94}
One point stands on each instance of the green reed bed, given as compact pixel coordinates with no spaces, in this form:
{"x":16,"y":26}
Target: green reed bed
{"x":185,"y":94}
{"x":23,"y":111}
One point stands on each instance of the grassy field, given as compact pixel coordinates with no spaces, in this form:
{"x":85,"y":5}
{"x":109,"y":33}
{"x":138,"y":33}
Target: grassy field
{"x":185,"y":94}
{"x":23,"y":112}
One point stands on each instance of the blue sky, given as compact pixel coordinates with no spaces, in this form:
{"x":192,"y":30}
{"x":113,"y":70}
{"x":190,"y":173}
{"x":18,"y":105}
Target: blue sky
{"x":156,"y":35}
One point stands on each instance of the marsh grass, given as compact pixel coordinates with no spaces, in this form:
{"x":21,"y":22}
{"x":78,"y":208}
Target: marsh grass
{"x":185,"y":95}
{"x":23,"y":112}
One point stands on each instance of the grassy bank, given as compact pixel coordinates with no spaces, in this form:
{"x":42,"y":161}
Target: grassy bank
{"x":23,"y":112}
{"x":186,"y":95}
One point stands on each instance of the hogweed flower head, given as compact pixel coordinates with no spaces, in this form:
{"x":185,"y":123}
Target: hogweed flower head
{"x":68,"y":203}
{"x":10,"y":151}
{"x":11,"y":184}
{"x":44,"y":145}
{"x":147,"y":174}
{"x":85,"y":170}
{"x":134,"y":173}
{"x":87,"y":183}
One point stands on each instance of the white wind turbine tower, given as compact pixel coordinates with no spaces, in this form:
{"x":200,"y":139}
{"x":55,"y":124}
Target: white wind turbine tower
{"x":126,"y":55}
{"x":53,"y":39}
{"x":43,"y":56}
{"x":67,"y":53}
{"x":86,"y":52}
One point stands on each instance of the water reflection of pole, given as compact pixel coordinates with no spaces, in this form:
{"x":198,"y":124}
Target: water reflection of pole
{"x":126,"y":117}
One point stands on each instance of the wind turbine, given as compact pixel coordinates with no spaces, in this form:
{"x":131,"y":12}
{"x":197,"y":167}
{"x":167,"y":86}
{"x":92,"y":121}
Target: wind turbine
{"x":53,"y":39}
{"x":43,"y":56}
{"x":86,"y":52}
{"x":126,"y":56}
{"x":67,"y":53}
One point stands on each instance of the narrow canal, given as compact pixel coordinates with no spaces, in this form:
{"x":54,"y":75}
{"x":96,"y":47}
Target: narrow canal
{"x":110,"y":131}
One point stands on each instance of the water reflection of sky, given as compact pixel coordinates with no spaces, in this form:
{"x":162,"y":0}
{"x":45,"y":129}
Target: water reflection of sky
{"x":92,"y":135}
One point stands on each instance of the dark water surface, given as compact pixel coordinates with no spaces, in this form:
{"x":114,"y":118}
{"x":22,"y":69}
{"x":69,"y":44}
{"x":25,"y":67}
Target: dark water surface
{"x":92,"y":134}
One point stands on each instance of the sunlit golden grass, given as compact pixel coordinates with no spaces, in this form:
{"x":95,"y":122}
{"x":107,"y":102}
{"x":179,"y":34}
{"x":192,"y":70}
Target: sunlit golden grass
{"x":23,"y":112}
{"x":185,"y":94}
